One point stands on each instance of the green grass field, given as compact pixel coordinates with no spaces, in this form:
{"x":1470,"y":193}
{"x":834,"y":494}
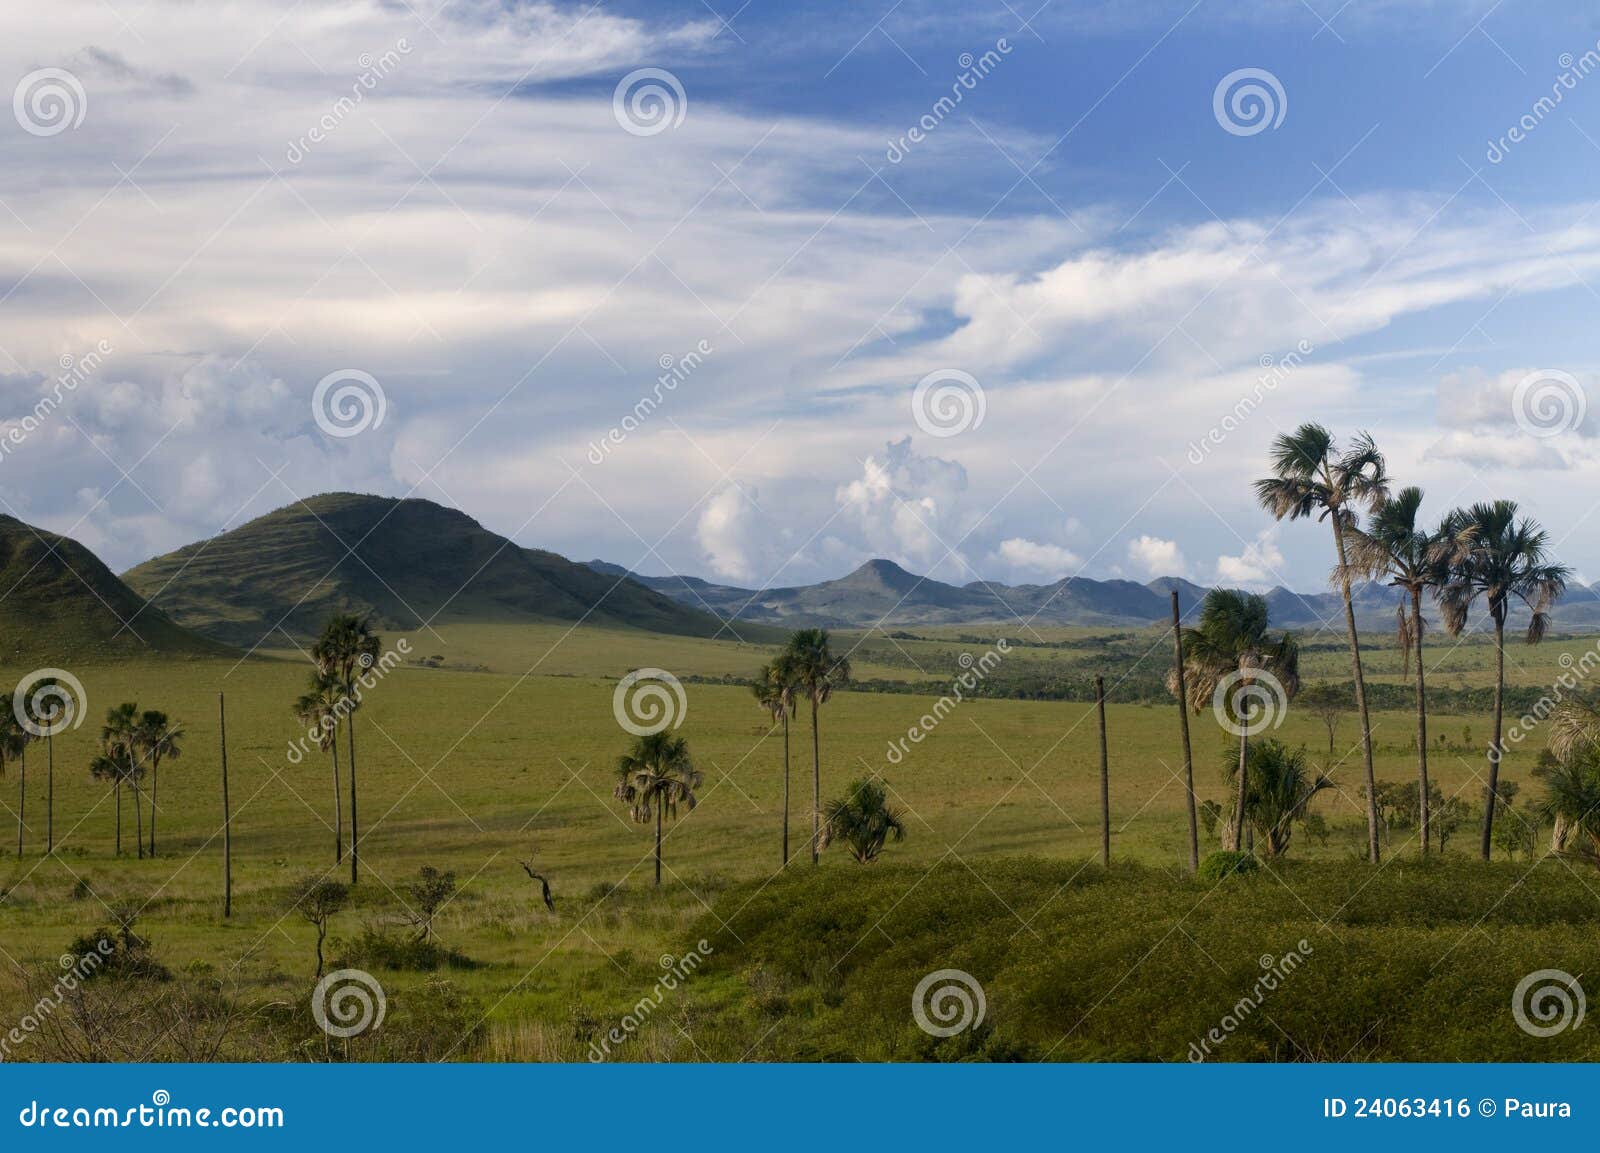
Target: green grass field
{"x":473,"y":771}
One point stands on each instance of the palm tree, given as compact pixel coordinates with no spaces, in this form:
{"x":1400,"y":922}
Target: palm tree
{"x":1393,"y":548}
{"x":48,"y":708}
{"x":1232,"y":649}
{"x":1312,"y":477}
{"x":112,"y":766}
{"x":1504,"y":559}
{"x":863,"y":819}
{"x":654,"y":778}
{"x":1281,"y":790}
{"x":346,"y":649}
{"x":816,"y":673}
{"x":156,"y":737}
{"x":1572,"y":801}
{"x":14,"y":738}
{"x":119,"y":762}
{"x":318,"y":709}
{"x":774,"y":692}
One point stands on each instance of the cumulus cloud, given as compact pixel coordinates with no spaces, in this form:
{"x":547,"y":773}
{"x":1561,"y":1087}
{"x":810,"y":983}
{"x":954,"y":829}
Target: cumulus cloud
{"x":907,"y":502}
{"x":1033,"y":558}
{"x":1256,"y":565}
{"x":1156,"y":557}
{"x":723,"y":533}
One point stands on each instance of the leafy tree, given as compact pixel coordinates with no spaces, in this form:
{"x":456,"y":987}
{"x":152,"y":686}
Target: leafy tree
{"x":863,"y":820}
{"x":1504,"y":559}
{"x":1232,"y":644}
{"x":430,"y":892}
{"x":1395,"y":549}
{"x":774,"y":690}
{"x":1281,"y":789}
{"x":816,"y":673}
{"x":1313,"y":477}
{"x":317,"y":900}
{"x":318,"y":709}
{"x":155,"y":737}
{"x":346,"y":649}
{"x":654,"y":778}
{"x":121,"y":764}
{"x":1329,"y":704}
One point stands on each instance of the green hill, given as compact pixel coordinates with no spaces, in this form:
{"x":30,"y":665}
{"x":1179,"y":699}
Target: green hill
{"x":60,"y":605}
{"x":406,"y":562}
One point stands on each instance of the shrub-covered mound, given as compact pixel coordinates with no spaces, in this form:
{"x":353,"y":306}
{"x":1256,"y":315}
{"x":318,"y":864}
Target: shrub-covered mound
{"x":1407,"y":962}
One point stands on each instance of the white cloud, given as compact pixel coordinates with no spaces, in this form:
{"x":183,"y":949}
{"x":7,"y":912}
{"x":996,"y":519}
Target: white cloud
{"x":1157,"y":557}
{"x":1031,"y":557}
{"x":1256,"y":565}
{"x":723,"y":530}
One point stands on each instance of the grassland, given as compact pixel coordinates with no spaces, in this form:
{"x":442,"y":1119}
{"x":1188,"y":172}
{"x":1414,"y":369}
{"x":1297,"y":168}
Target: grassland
{"x":479,"y":764}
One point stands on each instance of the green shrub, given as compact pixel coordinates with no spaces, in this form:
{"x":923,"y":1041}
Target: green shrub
{"x":378,"y":948}
{"x":1226,"y":863}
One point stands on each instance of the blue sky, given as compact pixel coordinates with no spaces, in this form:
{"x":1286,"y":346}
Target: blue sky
{"x":444,"y":198}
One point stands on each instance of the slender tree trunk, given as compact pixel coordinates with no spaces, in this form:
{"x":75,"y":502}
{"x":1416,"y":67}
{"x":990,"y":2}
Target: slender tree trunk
{"x":1422,"y":722}
{"x":1494,"y":744}
{"x":659,"y":807}
{"x":1239,"y":793}
{"x":355,"y":831}
{"x":1105,"y":775}
{"x":227,"y":815}
{"x":338,"y":802}
{"x":138,"y":820}
{"x":785,"y":789}
{"x":117,"y":789}
{"x":816,"y":786}
{"x":22,"y":798}
{"x":50,"y":795}
{"x":322,"y":932}
{"x":1361,"y":688}
{"x":155,"y":766}
{"x":1183,"y":724}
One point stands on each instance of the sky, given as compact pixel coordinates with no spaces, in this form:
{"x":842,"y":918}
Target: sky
{"x":757,"y":293}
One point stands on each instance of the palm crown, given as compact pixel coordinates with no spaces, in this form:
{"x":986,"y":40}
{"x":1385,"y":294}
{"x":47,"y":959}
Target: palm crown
{"x":657,"y":773}
{"x":1313,"y":478}
{"x":1504,"y":558}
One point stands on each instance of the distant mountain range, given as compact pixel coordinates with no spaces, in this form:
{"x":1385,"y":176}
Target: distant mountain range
{"x":880,"y":592}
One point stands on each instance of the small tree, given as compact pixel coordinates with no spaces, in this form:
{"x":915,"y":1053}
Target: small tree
{"x":864,"y":820}
{"x":430,"y":892}
{"x":317,"y":900}
{"x":1279,"y":790}
{"x":1329,"y":705}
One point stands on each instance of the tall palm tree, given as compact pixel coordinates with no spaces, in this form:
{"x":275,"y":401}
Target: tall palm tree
{"x":654,"y":778}
{"x":48,"y":708}
{"x":864,"y":820}
{"x":817,"y":673}
{"x":156,"y":737}
{"x":774,"y":692}
{"x":1281,"y":790}
{"x":1393,"y":548}
{"x":318,"y":709}
{"x":119,"y":762}
{"x":14,"y":738}
{"x":346,"y":649}
{"x":1505,"y":559}
{"x":1233,"y":645}
{"x":1313,"y":477}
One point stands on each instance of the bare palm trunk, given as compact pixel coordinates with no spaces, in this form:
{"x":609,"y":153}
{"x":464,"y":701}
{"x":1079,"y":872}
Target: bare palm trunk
{"x":1422,"y":722}
{"x":355,"y":832}
{"x":785,"y":789}
{"x":50,"y":795}
{"x":154,"y":768}
{"x":1239,"y":794}
{"x":1105,"y":775}
{"x":338,"y":802}
{"x":138,"y":821}
{"x":117,"y":788}
{"x":227,"y":812}
{"x":1361,"y":688}
{"x":22,"y":798}
{"x":659,"y":807}
{"x":1494,"y":744}
{"x":816,"y":786}
{"x":1183,"y":723}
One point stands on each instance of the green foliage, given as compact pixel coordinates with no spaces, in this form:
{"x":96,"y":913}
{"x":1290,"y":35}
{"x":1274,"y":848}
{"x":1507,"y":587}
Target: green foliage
{"x":376,"y":948}
{"x":1226,"y":863}
{"x":121,"y":951}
